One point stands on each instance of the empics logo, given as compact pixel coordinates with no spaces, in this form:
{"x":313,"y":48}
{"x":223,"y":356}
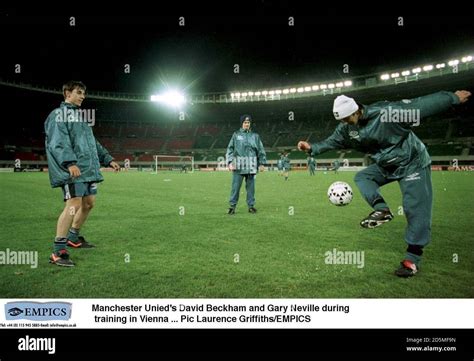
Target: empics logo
{"x":15,"y":311}
{"x":28,"y":343}
{"x":37,"y":311}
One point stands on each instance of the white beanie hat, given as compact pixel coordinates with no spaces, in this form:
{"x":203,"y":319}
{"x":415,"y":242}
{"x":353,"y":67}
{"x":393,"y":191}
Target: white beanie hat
{"x":344,"y":106}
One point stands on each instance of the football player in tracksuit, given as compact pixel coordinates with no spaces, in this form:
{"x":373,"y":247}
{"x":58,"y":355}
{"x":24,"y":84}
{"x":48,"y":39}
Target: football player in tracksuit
{"x":311,"y":165}
{"x":74,"y":158}
{"x":245,"y":157}
{"x":383,"y":129}
{"x":286,"y":164}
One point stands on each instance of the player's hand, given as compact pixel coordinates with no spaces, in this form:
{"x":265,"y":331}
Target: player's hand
{"x":304,"y":146}
{"x":74,"y":171}
{"x":261,"y":168}
{"x":115,"y":166}
{"x":463,"y":95}
{"x":231,"y":166}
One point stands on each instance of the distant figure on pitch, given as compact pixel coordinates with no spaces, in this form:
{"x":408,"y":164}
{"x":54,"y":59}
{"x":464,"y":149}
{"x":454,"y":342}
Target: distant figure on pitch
{"x":280,"y":164}
{"x":286,"y":165}
{"x":311,"y":165}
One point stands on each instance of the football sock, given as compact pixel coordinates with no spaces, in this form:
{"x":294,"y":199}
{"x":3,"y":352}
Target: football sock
{"x":414,"y":253}
{"x":59,"y":243}
{"x":73,"y":235}
{"x":380,"y":205}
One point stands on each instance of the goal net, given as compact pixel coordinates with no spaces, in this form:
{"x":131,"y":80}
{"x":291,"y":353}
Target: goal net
{"x":179,"y":163}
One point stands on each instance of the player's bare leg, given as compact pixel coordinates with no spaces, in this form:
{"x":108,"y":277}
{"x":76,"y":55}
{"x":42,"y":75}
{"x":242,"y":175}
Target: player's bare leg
{"x":87,"y":204}
{"x":66,"y":218}
{"x":60,"y":256}
{"x":74,"y":239}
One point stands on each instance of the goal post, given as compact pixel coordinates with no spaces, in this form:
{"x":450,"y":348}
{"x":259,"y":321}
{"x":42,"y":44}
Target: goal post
{"x":181,"y":163}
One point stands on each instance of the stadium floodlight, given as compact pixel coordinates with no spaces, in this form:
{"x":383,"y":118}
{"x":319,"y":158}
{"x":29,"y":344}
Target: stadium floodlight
{"x":264,"y":92}
{"x":440,"y":66}
{"x":286,"y":91}
{"x":394,"y":75}
{"x":307,"y":88}
{"x":348,"y":83}
{"x":323,"y":86}
{"x":453,"y":62}
{"x":340,"y":84}
{"x":385,"y":76}
{"x":278,"y":92}
{"x":300,"y":90}
{"x":271,"y":92}
{"x":416,"y":70}
{"x":244,"y":94}
{"x":315,"y":87}
{"x":466,"y":59}
{"x":406,"y":72}
{"x":237,"y":95}
{"x":171,"y":98}
{"x":331,"y":86}
{"x":428,"y":67}
{"x":257,"y":94}
{"x":250,"y":94}
{"x":293,"y":90}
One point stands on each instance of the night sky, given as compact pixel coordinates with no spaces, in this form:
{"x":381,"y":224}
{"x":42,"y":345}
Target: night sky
{"x":200,"y":56}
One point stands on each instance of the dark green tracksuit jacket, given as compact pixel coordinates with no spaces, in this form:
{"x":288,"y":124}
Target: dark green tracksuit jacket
{"x":246,"y":152}
{"x":398,"y":155}
{"x":70,"y":141}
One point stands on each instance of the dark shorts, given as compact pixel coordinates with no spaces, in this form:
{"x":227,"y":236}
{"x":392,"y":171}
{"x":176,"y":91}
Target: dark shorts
{"x":73,"y":190}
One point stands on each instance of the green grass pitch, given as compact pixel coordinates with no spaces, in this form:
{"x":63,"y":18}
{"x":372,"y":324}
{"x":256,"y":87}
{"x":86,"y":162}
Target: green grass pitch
{"x":168,"y":236}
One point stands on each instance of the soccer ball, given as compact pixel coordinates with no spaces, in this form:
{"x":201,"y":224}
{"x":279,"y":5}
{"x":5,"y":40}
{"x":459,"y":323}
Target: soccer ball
{"x":340,"y":193}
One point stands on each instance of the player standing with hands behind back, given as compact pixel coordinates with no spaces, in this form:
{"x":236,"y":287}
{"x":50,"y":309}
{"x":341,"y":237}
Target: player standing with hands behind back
{"x":399,"y":155}
{"x":74,"y":158}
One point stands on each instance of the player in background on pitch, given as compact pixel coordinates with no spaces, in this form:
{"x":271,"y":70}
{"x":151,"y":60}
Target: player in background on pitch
{"x":311,"y":165}
{"x":399,"y":155}
{"x":74,"y":157}
{"x":335,"y":166}
{"x":280,"y":164}
{"x":286,"y":165}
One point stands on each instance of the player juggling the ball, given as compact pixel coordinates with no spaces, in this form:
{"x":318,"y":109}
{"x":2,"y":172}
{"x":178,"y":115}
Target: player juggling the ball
{"x":383,"y":130}
{"x":74,"y":158}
